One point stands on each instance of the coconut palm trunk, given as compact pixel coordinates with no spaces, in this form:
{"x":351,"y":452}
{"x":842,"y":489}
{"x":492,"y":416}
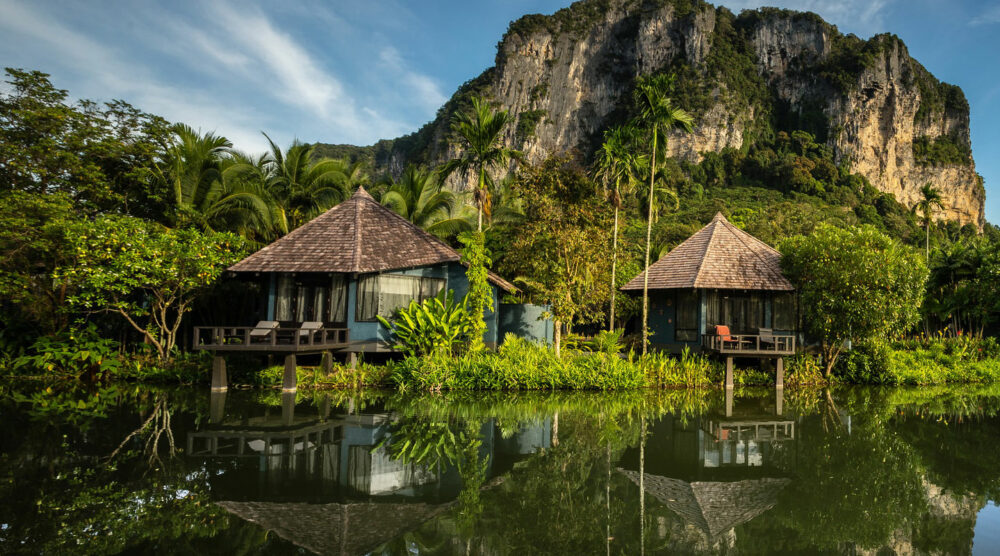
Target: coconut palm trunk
{"x":649,"y":242}
{"x":614,"y":269}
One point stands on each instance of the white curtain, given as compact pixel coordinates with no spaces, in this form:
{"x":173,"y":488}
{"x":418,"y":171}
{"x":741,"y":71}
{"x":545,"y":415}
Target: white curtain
{"x":367,"y":304}
{"x":396,"y":292}
{"x":338,"y":299}
{"x":283,"y":301}
{"x":387,"y":293}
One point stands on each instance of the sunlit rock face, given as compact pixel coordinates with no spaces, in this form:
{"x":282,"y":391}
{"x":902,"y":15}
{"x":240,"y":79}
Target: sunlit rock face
{"x":567,"y":77}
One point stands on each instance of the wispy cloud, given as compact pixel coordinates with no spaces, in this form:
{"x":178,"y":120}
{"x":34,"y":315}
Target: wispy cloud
{"x":417,"y":86}
{"x":242,"y":57}
{"x":989,"y":16}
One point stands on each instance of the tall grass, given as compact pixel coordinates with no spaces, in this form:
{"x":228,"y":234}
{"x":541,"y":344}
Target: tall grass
{"x":523,"y":365}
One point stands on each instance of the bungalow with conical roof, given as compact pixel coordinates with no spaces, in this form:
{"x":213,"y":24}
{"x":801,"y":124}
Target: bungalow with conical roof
{"x":328,"y":281}
{"x":723,"y":290}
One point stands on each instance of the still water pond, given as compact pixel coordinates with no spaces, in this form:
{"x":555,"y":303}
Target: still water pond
{"x":853,"y":471}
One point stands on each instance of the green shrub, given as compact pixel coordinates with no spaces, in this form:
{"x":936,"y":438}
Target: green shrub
{"x":438,"y":325}
{"x":79,"y":353}
{"x":867,"y":363}
{"x":803,"y":369}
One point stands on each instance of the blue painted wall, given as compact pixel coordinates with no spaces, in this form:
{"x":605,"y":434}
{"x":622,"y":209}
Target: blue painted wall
{"x":525,"y":320}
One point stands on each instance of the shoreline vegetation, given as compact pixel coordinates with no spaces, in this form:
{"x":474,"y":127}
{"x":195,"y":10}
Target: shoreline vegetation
{"x":522,"y":365}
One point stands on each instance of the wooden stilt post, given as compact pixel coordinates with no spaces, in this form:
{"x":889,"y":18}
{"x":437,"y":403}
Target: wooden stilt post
{"x":779,"y":381}
{"x":779,"y":398}
{"x":327,"y":363}
{"x":352,"y":360}
{"x":290,"y":382}
{"x":219,"y":380}
{"x":288,"y":407}
{"x":217,"y":406}
{"x":729,"y":373}
{"x":729,"y":402}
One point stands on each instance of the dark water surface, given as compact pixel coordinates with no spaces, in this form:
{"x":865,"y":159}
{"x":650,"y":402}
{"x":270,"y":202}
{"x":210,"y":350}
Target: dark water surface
{"x":852,"y":471}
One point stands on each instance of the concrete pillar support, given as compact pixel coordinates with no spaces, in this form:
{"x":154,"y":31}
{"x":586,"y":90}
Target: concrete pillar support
{"x":290,"y":382}
{"x":779,"y":380}
{"x":729,"y":373}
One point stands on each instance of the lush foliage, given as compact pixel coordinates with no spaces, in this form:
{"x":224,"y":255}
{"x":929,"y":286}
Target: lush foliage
{"x":522,"y":365}
{"x":479,"y":300}
{"x":438,"y":326}
{"x":854,"y":285}
{"x":148,"y":275}
{"x":556,"y":251}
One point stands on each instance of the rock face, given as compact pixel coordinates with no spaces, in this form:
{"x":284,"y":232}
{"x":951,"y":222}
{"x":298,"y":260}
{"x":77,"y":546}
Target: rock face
{"x":565,"y":78}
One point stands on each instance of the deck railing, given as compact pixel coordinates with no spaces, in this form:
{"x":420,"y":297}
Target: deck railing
{"x":249,"y":338}
{"x":750,"y":344}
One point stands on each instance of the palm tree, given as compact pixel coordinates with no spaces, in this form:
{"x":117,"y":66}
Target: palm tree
{"x":419,"y":197}
{"x":249,"y":172}
{"x":930,"y":197}
{"x":480,"y":130}
{"x":192,"y":171}
{"x":616,"y":165}
{"x":658,"y":116}
{"x":303,"y":187}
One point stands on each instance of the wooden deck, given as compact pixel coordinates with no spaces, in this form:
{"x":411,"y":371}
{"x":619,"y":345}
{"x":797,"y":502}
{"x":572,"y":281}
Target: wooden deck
{"x":276,"y":340}
{"x":750,"y":345}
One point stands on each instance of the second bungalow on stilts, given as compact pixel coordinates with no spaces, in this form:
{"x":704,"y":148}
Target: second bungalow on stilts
{"x":722,"y":291}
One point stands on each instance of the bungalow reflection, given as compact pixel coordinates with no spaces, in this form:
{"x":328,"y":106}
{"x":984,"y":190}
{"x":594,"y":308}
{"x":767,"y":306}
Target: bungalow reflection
{"x":713,"y":472}
{"x":326,"y":478}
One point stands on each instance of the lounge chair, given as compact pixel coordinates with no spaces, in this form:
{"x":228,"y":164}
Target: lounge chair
{"x":308,"y":329}
{"x":263,"y":330}
{"x":766,"y":336}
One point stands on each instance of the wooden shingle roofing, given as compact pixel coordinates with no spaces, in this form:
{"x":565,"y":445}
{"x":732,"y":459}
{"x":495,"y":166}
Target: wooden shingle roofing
{"x":357,"y":236}
{"x":719,"y":256}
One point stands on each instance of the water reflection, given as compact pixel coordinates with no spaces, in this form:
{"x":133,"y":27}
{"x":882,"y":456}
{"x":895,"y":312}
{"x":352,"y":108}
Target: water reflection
{"x":854,"y":471}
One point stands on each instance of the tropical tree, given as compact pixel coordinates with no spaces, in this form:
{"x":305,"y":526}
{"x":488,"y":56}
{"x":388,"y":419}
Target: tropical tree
{"x":854,"y":285}
{"x":480,"y":131}
{"x":419,"y":197}
{"x":930,"y":197}
{"x":553,"y":252}
{"x":616,"y":165}
{"x":149,"y":275}
{"x":657,"y":117}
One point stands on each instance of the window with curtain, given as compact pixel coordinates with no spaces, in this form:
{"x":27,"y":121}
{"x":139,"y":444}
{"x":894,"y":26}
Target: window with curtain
{"x":743,"y":313}
{"x":283,"y":298}
{"x":686,"y":316}
{"x":338,"y":299}
{"x":384,"y":294}
{"x":784,"y":312}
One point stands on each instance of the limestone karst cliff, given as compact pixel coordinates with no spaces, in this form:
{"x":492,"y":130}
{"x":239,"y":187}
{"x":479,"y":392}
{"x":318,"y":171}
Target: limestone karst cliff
{"x":567,"y":77}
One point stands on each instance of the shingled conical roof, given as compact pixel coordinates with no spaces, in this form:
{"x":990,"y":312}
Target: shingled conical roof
{"x":356,"y":236}
{"x":719,"y":256}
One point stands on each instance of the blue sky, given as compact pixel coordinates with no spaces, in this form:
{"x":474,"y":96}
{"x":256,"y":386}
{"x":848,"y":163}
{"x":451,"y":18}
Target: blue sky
{"x":359,"y":71}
